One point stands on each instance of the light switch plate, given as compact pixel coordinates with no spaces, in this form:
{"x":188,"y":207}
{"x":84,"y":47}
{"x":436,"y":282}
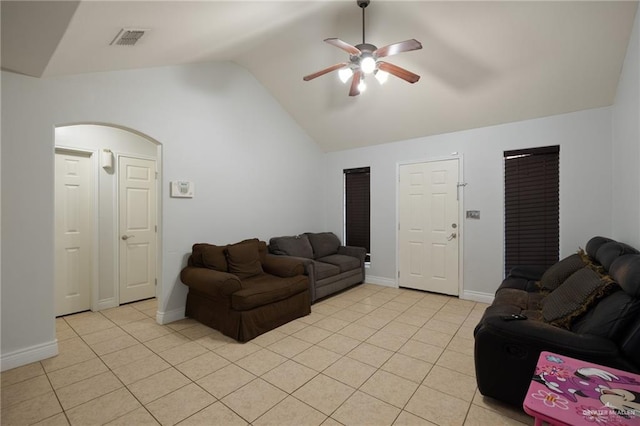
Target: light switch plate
{"x":473,"y":214}
{"x":181,"y":189}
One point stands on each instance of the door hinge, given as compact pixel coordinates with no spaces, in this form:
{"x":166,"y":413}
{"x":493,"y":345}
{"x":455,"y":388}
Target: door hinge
{"x":156,"y":175}
{"x":156,"y":228}
{"x":156,"y":281}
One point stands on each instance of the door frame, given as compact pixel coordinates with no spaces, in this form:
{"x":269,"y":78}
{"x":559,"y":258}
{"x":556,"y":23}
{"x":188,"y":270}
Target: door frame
{"x":95,"y":216}
{"x":116,"y":217}
{"x":459,"y":158}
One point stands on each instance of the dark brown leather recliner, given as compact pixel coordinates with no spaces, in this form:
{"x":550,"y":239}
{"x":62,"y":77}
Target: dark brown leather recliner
{"x":604,"y":329}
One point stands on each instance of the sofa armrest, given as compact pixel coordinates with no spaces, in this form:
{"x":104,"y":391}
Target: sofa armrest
{"x":283,"y":266}
{"x":357,"y":252}
{"x":209,"y":281}
{"x":307,"y":264}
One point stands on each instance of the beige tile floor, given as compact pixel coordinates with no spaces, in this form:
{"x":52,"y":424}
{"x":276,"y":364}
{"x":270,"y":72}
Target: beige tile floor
{"x":369,"y":356}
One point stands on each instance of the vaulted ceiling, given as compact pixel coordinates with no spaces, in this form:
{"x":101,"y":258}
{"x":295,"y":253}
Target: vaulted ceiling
{"x":482,"y":62}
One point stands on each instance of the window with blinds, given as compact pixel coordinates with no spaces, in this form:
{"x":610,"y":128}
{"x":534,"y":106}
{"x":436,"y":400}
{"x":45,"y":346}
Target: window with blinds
{"x":357,"y":208}
{"x":531,"y":207}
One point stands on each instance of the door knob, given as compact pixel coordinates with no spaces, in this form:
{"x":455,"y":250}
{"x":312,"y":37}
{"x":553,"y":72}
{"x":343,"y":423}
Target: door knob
{"x":452,"y":236}
{"x":126,"y":237}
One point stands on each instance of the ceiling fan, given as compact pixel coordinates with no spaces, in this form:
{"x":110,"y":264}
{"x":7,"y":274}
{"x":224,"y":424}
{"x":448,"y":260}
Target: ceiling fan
{"x":364,"y":59}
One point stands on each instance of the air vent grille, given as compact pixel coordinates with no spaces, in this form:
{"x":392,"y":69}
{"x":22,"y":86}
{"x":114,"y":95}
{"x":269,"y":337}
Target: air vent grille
{"x":128,"y":37}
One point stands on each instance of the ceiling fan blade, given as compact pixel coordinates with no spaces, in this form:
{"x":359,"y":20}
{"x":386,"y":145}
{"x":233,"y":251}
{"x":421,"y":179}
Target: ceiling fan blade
{"x":352,"y":50}
{"x":355,"y":82}
{"x":398,"y":72}
{"x":324,"y":71}
{"x":395,"y":48}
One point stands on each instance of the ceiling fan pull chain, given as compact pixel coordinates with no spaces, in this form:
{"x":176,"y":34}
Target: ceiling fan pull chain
{"x":363,"y":7}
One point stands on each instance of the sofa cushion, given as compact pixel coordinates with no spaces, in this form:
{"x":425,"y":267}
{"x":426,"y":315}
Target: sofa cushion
{"x":583,"y":289}
{"x":323,"y":243}
{"x":243,"y":259}
{"x":594,"y":244}
{"x":298,"y":246}
{"x":519,"y":284}
{"x":560,"y":271}
{"x":610,"y":318}
{"x":521,"y":299}
{"x":265,"y":289}
{"x":345,"y":263}
{"x":608,"y":252}
{"x":324,"y":270}
{"x":626,"y":271}
{"x":213,"y":257}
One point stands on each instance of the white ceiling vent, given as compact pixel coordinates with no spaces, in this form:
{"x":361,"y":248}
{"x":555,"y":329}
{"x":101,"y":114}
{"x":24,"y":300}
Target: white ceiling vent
{"x":128,"y":37}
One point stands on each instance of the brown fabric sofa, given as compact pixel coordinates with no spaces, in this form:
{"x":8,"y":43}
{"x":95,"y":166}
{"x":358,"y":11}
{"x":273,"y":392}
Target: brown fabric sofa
{"x":242,"y":290}
{"x":330,"y":266}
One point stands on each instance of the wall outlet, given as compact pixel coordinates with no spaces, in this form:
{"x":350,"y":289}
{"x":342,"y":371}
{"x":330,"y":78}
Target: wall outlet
{"x":473,"y":214}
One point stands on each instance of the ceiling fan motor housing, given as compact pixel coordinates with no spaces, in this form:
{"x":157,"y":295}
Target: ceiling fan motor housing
{"x":363,"y":3}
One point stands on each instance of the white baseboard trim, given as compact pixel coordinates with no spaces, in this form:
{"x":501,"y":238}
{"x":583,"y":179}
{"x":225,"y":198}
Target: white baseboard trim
{"x":476,"y":296}
{"x":28,"y":355}
{"x":387,"y":282}
{"x":107,"y":303}
{"x":165,"y":317}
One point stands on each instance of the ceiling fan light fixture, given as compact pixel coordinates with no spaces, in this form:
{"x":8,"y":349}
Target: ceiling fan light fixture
{"x":365,"y":58}
{"x":367,"y":64}
{"x":381,"y":76}
{"x":345,"y":74}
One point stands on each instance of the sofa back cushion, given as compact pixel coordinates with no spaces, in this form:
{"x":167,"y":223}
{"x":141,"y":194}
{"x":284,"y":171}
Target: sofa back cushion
{"x":298,"y":246}
{"x":209,"y":256}
{"x":323,"y":243}
{"x":560,"y":271}
{"x":608,"y":252}
{"x":594,"y":244}
{"x":582,"y":290}
{"x":243,"y":259}
{"x":626,"y":271}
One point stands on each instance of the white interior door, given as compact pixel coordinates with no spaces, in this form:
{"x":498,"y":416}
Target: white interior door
{"x":137,"y":225}
{"x":428,"y":229}
{"x":73,"y":232}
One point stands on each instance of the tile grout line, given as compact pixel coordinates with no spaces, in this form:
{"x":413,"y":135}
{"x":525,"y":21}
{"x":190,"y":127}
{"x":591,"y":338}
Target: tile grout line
{"x":342,"y":305}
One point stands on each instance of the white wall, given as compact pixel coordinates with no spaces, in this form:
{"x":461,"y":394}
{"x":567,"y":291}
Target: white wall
{"x":585,"y":188}
{"x":255,"y":174}
{"x":95,"y":138}
{"x":626,"y":146}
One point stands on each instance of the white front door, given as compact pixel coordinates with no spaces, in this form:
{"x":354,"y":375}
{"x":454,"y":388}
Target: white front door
{"x":428,"y":228}
{"x":137,"y":225}
{"x":73,"y":232}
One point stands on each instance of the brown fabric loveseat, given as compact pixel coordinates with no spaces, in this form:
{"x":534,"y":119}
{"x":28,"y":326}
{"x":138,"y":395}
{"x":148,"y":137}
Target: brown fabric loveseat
{"x":330,"y":266}
{"x":242,"y":290}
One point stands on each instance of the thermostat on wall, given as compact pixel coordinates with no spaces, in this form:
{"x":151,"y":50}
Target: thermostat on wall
{"x":181,"y":189}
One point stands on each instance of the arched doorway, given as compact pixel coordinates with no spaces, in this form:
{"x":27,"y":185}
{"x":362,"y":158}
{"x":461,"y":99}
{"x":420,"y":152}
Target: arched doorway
{"x":124,"y":217}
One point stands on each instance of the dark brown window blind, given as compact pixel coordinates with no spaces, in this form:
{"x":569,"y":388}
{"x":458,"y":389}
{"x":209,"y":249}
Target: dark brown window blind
{"x":531,"y":207}
{"x":357,"y":207}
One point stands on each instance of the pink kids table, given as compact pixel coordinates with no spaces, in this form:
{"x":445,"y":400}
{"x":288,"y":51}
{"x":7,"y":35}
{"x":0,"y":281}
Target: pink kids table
{"x":567,"y":391}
